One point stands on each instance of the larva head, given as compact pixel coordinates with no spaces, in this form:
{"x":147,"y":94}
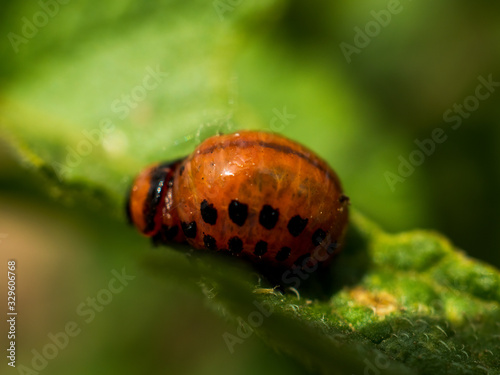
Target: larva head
{"x":151,"y":192}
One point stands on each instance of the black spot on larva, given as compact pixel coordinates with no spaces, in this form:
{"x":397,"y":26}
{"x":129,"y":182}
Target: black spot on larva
{"x":238,"y":212}
{"x":208,"y":212}
{"x":268,"y":216}
{"x":155,"y":193}
{"x":343,"y":198}
{"x":283,"y":254}
{"x":189,"y":229}
{"x":160,"y":181}
{"x":260,"y":248}
{"x":181,"y":170}
{"x":303,"y":260}
{"x":171,"y":232}
{"x":318,"y":237}
{"x":235,"y":245}
{"x":209,"y":242}
{"x":296,"y":225}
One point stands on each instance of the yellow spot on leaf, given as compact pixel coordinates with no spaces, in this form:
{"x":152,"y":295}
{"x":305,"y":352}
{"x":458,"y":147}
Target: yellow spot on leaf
{"x":382,"y":303}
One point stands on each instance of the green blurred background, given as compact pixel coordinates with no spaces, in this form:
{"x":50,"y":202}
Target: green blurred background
{"x":67,"y":69}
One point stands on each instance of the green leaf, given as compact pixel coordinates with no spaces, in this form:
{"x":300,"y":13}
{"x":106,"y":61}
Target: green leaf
{"x":75,"y":106}
{"x":403,"y":304}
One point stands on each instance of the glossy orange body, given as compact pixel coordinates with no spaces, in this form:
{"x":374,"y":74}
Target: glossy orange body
{"x":254,"y":195}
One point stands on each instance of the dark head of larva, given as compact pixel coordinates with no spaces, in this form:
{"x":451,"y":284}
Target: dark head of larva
{"x":149,"y":195}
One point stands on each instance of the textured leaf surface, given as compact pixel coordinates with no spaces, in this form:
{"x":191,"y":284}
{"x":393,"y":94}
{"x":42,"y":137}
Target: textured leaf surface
{"x":393,"y":303}
{"x":404,"y":303}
